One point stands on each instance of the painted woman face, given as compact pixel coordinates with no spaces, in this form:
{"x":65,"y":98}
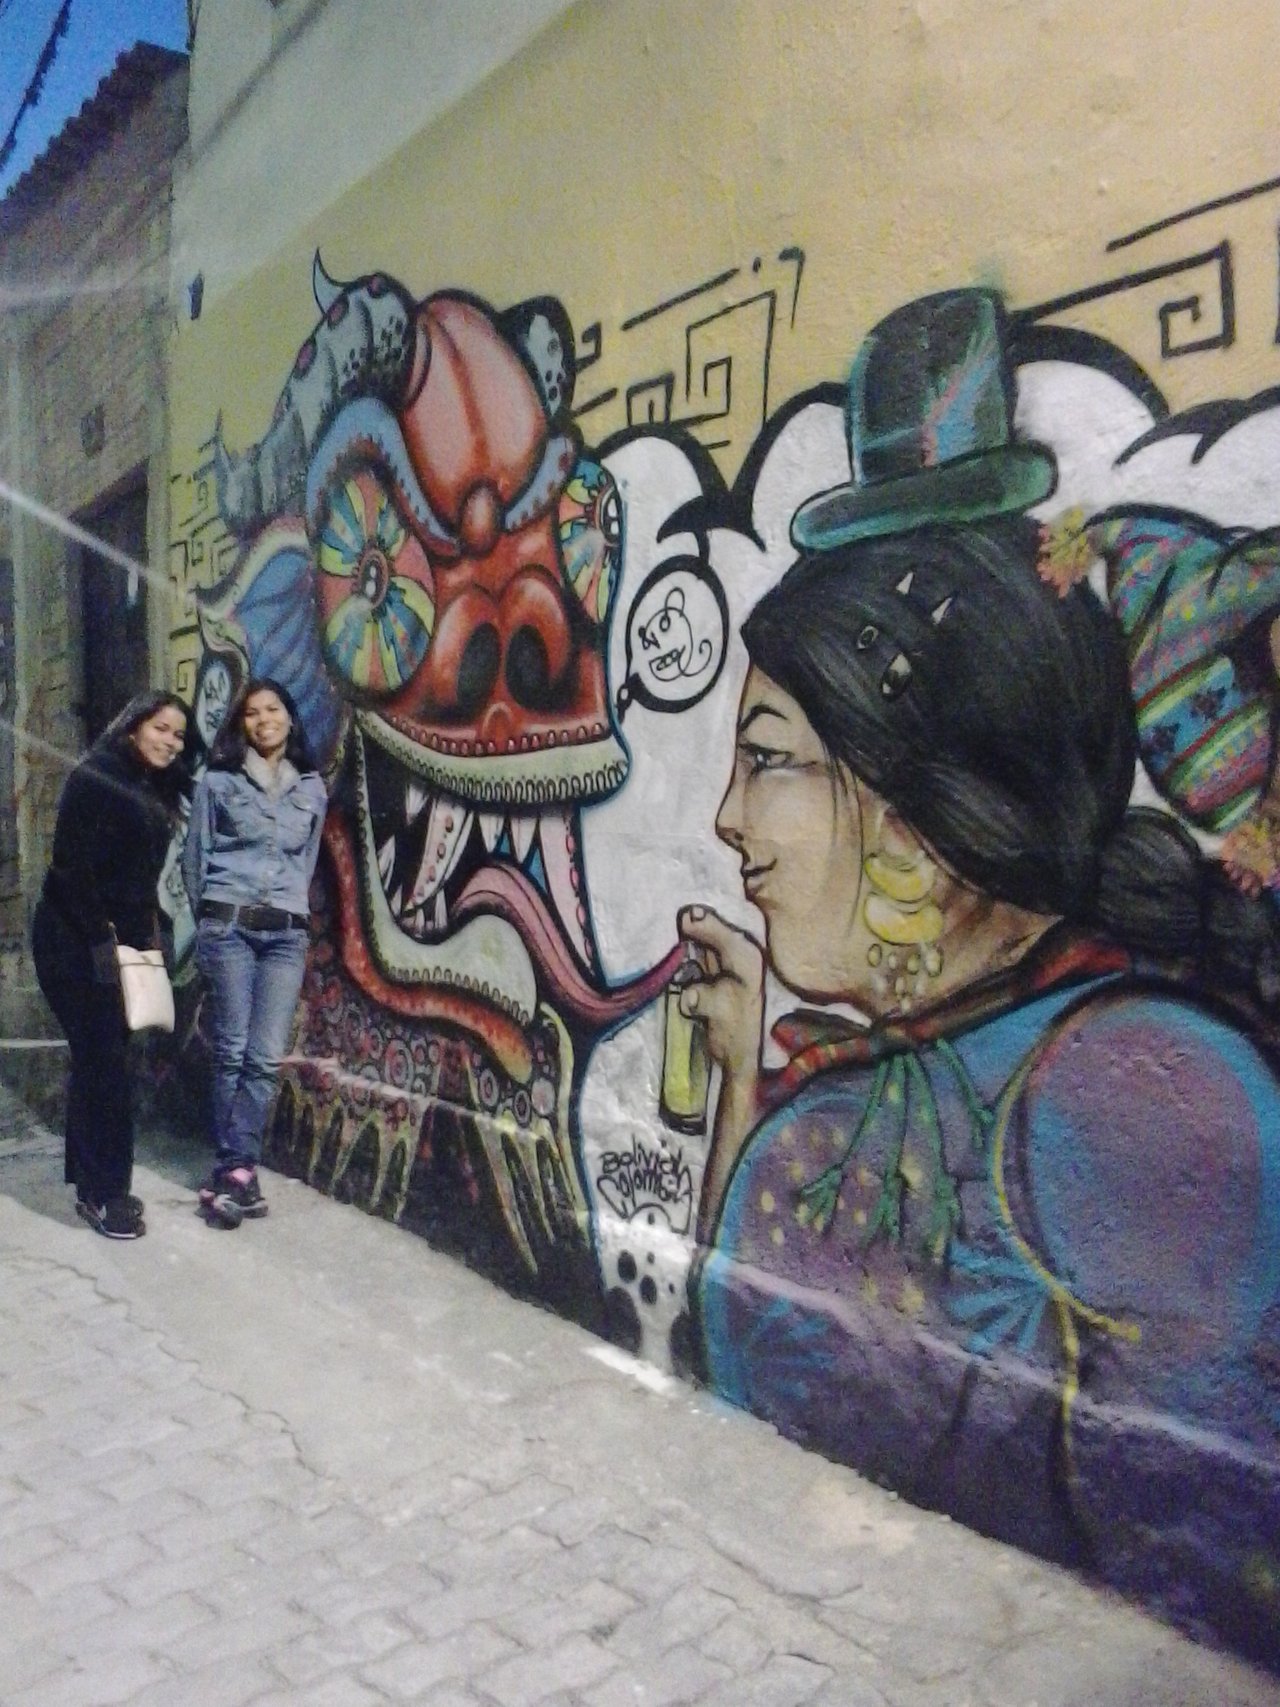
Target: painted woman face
{"x":796,"y":822}
{"x":266,"y":723}
{"x":158,"y":739}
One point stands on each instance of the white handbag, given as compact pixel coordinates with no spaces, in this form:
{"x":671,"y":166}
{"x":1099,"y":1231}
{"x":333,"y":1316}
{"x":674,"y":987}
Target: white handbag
{"x":145,"y":988}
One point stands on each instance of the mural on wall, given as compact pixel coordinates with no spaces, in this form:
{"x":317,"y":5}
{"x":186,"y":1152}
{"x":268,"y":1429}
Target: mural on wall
{"x":429,"y":561}
{"x":1029,"y":1191}
{"x":821,"y":929}
{"x":699,"y":359}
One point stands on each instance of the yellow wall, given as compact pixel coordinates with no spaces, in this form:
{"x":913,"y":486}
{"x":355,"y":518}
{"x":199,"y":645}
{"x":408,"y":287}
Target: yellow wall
{"x":641,"y":148}
{"x":642,"y":145}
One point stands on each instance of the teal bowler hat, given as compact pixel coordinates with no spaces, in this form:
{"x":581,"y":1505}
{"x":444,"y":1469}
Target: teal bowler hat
{"x":929,"y":419}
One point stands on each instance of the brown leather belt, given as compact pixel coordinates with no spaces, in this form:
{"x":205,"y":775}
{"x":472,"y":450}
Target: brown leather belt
{"x":254,"y":918}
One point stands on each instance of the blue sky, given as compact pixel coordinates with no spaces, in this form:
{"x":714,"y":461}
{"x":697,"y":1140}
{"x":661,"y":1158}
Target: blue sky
{"x":98,"y":32}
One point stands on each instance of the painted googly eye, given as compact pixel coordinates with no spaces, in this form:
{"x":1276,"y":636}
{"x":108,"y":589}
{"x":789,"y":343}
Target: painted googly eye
{"x":867,"y":637}
{"x":609,"y":513}
{"x":590,"y":525}
{"x":376,"y":588}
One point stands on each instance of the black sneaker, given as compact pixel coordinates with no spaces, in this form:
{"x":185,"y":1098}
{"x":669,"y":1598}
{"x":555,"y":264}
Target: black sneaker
{"x":135,"y":1206}
{"x":241,"y":1186}
{"x":217,"y":1206}
{"x":114,"y":1219}
{"x":231,"y":1195}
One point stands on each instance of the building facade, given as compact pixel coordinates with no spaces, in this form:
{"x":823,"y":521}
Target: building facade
{"x":84,"y":241}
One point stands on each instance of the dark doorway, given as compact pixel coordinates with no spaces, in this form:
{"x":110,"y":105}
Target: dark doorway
{"x":9,"y":883}
{"x":114,"y":608}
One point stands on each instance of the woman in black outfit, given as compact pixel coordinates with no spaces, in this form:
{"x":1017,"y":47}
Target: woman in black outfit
{"x":115,"y":819}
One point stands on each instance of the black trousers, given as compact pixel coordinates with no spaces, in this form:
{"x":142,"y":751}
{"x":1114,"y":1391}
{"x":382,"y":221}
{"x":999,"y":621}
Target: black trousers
{"x":99,"y":1154}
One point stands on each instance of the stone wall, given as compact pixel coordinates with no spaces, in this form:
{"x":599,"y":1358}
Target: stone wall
{"x":83,"y":284}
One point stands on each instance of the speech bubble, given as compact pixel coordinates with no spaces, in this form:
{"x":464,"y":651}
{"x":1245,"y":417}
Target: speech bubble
{"x":677,"y":637}
{"x":215,"y":689}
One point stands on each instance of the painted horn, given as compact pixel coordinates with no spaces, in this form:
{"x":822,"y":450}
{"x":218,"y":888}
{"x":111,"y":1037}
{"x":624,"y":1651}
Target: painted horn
{"x":364,"y":346}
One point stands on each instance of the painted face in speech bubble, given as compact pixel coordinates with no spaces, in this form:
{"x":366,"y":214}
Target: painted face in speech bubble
{"x":215,"y":690}
{"x":677,"y":630}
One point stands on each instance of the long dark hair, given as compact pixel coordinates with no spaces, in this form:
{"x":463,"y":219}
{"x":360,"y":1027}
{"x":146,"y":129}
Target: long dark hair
{"x":174,"y":781}
{"x":231,"y":744}
{"x":995,"y":716}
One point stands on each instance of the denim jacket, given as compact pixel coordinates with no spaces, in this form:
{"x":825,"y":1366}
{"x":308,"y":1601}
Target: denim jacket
{"x":248,"y":844}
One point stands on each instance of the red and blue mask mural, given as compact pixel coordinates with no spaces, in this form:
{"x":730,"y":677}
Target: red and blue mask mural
{"x":430,"y":558}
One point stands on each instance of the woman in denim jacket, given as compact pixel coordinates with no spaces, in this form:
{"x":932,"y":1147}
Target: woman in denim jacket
{"x":255,"y":834}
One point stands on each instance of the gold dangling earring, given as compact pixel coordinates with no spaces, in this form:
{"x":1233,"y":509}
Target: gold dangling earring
{"x":902,"y":915}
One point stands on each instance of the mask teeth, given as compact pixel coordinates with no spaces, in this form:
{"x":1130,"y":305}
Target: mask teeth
{"x":520,"y":827}
{"x":523,"y":827}
{"x":421,"y":974}
{"x":490,"y":790}
{"x":448,"y":826}
{"x":491,"y":828}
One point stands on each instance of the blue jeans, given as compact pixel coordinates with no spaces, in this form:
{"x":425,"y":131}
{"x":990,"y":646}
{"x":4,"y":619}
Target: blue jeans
{"x":253,"y":980}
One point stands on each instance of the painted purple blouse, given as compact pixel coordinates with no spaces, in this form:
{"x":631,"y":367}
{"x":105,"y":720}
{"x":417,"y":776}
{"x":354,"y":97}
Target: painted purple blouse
{"x":988,"y":1263}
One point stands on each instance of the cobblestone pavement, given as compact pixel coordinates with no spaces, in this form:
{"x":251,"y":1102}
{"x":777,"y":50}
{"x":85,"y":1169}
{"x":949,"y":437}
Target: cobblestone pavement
{"x":313,"y":1462}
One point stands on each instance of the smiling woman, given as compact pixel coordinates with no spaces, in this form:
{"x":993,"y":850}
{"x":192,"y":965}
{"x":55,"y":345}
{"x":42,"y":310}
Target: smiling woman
{"x":250,"y":854}
{"x":115,"y":819}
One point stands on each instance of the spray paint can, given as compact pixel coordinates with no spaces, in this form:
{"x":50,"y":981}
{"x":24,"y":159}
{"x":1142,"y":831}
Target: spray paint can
{"x":686,"y":1065}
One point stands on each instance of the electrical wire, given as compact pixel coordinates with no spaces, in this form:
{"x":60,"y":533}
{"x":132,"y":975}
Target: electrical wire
{"x":48,"y":54}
